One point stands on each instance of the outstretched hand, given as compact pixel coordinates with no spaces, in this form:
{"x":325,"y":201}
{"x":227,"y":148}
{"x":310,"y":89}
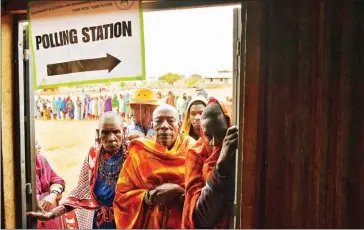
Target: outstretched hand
{"x":41,"y":214}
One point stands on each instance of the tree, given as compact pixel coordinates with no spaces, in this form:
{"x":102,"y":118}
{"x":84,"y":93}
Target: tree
{"x":170,"y":78}
{"x":193,"y":80}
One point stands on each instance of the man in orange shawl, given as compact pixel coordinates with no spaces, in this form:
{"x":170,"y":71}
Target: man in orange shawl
{"x":209,"y":169}
{"x":150,"y":188}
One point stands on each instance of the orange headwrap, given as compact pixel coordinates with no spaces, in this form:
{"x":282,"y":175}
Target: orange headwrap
{"x":200,"y":162}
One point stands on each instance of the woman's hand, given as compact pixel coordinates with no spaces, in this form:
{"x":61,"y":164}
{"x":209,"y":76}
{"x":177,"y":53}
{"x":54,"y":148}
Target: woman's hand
{"x":41,"y":214}
{"x":47,"y":202}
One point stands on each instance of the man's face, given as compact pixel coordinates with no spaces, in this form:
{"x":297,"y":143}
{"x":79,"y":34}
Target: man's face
{"x":195,"y":115}
{"x":166,"y":127}
{"x":139,"y":112}
{"x":215,"y":129}
{"x":111,"y":135}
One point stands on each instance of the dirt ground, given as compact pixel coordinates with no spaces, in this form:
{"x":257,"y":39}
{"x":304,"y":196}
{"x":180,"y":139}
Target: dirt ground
{"x":65,"y":145}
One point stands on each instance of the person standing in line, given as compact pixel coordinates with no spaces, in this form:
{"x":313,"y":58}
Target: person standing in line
{"x":142,"y":106}
{"x":71,"y":109}
{"x":49,"y":189}
{"x":150,"y":189}
{"x":121,"y":106}
{"x":100,"y":106}
{"x":63,"y":108}
{"x":79,"y":106}
{"x":126,"y":107}
{"x":108,"y":105}
{"x":115,"y":104}
{"x":170,"y":99}
{"x":95,"y":106}
{"x":90,"y":108}
{"x":54,"y":108}
{"x":59,"y":107}
{"x":209,"y":171}
{"x":180,"y":106}
{"x":192,"y":123}
{"x":90,"y":203}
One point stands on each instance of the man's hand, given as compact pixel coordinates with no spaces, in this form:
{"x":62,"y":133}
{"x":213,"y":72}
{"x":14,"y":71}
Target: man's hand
{"x":228,"y":150}
{"x":47,"y":202}
{"x":167,"y":195}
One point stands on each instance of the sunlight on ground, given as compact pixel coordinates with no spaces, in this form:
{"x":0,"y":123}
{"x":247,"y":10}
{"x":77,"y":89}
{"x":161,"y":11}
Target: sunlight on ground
{"x":65,"y":145}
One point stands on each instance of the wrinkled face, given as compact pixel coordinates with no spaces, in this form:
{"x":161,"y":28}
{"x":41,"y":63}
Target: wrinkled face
{"x":111,"y":135}
{"x":214,"y":129}
{"x":166,"y":127}
{"x":195,"y":115}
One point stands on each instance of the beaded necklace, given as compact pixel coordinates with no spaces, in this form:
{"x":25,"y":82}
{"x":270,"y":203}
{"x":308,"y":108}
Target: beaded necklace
{"x":110,"y":171}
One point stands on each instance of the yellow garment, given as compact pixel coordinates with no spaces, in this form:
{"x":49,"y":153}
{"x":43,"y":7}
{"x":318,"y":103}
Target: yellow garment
{"x":186,"y":126}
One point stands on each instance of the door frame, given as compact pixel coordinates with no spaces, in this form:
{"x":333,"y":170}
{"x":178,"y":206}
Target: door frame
{"x":24,"y":125}
{"x":24,"y":132}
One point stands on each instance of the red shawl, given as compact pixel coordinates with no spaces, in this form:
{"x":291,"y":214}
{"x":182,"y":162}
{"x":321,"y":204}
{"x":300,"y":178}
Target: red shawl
{"x":200,"y":162}
{"x":82,"y":198}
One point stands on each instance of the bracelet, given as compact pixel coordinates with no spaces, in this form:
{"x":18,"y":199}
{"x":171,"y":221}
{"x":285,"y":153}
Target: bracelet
{"x":56,"y":192}
{"x":57,"y":187}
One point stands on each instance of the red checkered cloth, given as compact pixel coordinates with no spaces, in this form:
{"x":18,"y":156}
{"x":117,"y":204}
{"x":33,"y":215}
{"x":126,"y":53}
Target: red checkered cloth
{"x":82,"y":197}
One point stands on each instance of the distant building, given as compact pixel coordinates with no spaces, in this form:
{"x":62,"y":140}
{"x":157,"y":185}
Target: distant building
{"x":223,"y":77}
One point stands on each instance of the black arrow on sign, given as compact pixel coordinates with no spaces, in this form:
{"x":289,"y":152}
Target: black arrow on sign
{"x":105,"y":63}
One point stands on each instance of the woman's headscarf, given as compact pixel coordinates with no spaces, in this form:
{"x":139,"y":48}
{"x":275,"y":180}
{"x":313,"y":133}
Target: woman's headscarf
{"x":186,"y":126}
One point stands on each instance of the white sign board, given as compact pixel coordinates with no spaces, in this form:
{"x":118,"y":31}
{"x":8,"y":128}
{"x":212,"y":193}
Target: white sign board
{"x":82,"y":42}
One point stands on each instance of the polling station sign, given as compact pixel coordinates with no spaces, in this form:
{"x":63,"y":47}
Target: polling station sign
{"x":82,"y":42}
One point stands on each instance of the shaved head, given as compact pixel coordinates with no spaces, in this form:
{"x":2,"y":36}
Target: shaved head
{"x":214,"y":124}
{"x":212,"y":110}
{"x":165,"y":107}
{"x":166,"y":125}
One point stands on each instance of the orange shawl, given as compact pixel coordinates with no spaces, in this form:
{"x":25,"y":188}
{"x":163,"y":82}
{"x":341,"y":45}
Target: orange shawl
{"x":148,"y":166}
{"x":200,"y":162}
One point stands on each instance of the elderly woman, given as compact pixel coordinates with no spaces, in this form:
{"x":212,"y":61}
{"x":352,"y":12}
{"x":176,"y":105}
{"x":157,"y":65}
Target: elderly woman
{"x":89,"y":205}
{"x":49,"y":187}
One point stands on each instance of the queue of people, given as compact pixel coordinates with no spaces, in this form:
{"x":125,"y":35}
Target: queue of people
{"x":156,"y":172}
{"x":91,"y":107}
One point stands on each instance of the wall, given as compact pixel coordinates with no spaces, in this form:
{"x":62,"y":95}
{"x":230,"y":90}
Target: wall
{"x":303,"y":143}
{"x":7,"y":118}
